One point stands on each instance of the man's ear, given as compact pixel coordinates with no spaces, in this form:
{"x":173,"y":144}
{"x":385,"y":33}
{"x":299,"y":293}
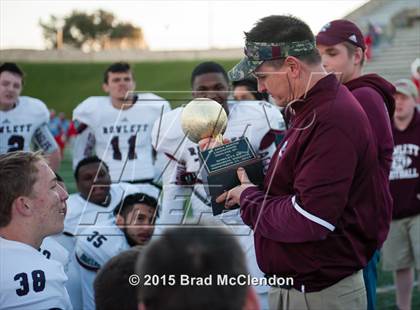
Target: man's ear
{"x":294,"y":66}
{"x":105,"y":87}
{"x":23,"y":206}
{"x":119,"y":220}
{"x":251,"y":300}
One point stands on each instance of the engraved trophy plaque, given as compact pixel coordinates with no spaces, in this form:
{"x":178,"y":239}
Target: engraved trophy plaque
{"x":205,"y":118}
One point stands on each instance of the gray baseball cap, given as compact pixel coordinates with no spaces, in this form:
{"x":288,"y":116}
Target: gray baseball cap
{"x":406,"y":87}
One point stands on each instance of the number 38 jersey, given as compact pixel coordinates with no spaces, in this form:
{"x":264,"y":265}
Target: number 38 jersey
{"x":27,"y":122}
{"x":28,"y":280}
{"x":121,"y":138}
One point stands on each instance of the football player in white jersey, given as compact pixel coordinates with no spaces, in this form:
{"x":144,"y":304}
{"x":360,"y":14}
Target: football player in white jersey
{"x":23,"y":120}
{"x":247,"y":89}
{"x":132,"y":225}
{"x":97,"y":197}
{"x":118,"y":129}
{"x":94,"y":203}
{"x":60,"y":247}
{"x":51,"y":247}
{"x":33,"y":207}
{"x":181,"y":179}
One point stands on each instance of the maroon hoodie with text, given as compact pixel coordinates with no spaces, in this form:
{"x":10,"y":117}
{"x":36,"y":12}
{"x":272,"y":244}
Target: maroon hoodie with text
{"x":375,"y":95}
{"x":313,"y":220}
{"x":405,"y":172}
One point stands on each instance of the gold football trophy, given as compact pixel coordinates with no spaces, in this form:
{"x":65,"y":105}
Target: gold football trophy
{"x":205,"y":118}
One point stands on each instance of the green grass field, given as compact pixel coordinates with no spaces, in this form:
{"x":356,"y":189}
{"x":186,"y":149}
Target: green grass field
{"x":63,"y":86}
{"x":386,"y":300}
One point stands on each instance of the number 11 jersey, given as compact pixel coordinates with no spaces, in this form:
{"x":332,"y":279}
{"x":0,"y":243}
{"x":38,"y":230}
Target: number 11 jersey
{"x":121,"y":138}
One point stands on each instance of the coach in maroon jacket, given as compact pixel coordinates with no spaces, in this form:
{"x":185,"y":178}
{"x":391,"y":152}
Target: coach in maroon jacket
{"x":313,"y":220}
{"x":401,"y":251}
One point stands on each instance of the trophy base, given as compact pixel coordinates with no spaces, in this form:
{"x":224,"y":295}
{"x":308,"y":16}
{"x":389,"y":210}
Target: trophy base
{"x":220,"y":169}
{"x":226,"y":179}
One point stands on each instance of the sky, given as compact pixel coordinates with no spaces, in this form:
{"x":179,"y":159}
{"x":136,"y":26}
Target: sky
{"x":167,"y":25}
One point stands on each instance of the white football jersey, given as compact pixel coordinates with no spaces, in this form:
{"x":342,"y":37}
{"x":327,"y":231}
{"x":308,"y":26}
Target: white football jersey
{"x":25,"y":124}
{"x":52,"y":249}
{"x":248,"y":119}
{"x":121,"y":138}
{"x":28,"y":280}
{"x":94,"y":247}
{"x":82,"y":213}
{"x":73,"y":284}
{"x":100,"y":243}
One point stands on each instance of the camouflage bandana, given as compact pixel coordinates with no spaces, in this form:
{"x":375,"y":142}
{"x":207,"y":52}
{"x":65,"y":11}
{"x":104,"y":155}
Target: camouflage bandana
{"x":258,"y":52}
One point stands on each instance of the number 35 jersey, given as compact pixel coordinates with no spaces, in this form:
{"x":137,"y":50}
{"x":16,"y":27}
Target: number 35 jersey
{"x":97,"y":244}
{"x":94,"y":247}
{"x":28,"y":280}
{"x":121,"y":138}
{"x":24,"y":124}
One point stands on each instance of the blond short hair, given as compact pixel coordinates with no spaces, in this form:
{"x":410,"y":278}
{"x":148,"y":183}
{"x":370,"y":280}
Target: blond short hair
{"x":18,"y":175}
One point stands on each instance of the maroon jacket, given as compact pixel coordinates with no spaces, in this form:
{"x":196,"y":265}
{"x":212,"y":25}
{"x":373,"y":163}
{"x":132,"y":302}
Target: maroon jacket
{"x":375,"y":95}
{"x":313,"y":221}
{"x":405,"y":179}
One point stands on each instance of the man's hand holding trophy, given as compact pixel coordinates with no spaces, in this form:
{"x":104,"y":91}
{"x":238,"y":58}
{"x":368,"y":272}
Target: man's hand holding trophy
{"x":229,"y":167}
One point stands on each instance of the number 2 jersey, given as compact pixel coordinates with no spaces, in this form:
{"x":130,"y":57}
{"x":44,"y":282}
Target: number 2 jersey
{"x":26,"y":124}
{"x":121,"y":138}
{"x":28,"y":280}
